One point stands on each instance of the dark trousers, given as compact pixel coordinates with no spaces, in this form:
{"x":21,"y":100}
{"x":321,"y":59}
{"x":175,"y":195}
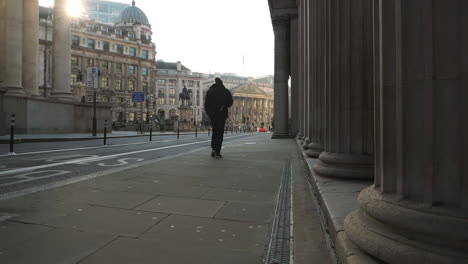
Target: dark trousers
{"x":217,"y":123}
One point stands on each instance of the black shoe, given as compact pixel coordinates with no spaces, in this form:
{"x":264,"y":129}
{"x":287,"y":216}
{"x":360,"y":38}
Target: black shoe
{"x":218,"y":155}
{"x":213,"y":153}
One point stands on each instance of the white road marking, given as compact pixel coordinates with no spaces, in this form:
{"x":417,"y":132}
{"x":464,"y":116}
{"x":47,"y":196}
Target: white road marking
{"x":121,"y":162}
{"x":29,"y":176}
{"x":92,"y":159}
{"x":97,"y":147}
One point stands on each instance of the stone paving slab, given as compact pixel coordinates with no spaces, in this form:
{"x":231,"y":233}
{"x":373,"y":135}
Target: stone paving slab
{"x":185,"y":206}
{"x":112,"y":221}
{"x":239,"y":196}
{"x":234,"y":235}
{"x":260,"y":213}
{"x":142,"y":251}
{"x":57,"y":246}
{"x":92,"y":196}
{"x":19,"y":232}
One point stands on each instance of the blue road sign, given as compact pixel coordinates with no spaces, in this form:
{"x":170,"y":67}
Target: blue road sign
{"x":138,"y":97}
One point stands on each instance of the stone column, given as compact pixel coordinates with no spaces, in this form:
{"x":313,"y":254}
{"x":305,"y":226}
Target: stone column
{"x":13,"y":48}
{"x":61,"y":49}
{"x":281,"y":29}
{"x":30,"y":46}
{"x":315,"y":146}
{"x":306,"y":10}
{"x":417,"y":209}
{"x":3,"y":8}
{"x":349,"y":131}
{"x":300,"y":71}
{"x":294,"y":42}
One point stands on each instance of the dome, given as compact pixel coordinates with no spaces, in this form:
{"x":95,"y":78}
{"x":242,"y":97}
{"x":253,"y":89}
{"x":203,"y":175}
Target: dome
{"x":133,"y":14}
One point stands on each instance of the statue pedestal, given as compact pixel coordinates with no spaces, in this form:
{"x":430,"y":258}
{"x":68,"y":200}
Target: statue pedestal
{"x":185,"y":113}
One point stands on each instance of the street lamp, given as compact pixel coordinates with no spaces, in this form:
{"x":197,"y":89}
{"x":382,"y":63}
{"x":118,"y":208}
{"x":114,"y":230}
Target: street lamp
{"x":149,"y":99}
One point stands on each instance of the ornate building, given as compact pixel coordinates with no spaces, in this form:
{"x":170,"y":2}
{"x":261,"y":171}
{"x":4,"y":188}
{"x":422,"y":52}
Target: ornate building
{"x":252,"y":107}
{"x":171,"y":79}
{"x":124,"y":54}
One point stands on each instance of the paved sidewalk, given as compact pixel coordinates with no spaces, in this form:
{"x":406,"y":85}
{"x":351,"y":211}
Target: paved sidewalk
{"x":187,"y":209}
{"x":22,"y":138}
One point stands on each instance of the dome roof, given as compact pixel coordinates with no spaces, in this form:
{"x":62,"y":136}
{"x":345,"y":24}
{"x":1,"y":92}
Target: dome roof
{"x":133,"y":14}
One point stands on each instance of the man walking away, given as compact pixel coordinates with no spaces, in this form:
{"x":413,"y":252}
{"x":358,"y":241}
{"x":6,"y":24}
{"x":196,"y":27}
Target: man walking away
{"x":218,"y":100}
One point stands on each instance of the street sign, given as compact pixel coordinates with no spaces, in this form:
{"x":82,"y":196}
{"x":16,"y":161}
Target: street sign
{"x":92,"y":78}
{"x":138,"y":97}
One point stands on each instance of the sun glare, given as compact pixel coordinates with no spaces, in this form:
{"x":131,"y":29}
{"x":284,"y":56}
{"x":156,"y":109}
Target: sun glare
{"x":74,"y":8}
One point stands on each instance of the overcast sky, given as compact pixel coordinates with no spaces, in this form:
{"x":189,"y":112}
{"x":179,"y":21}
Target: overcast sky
{"x":212,"y":35}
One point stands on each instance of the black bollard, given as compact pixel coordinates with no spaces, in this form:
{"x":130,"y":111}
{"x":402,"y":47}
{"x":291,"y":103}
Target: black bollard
{"x":196,"y":132}
{"x":105,"y":132}
{"x":151,"y":131}
{"x":12,"y":135}
{"x":178,"y":133}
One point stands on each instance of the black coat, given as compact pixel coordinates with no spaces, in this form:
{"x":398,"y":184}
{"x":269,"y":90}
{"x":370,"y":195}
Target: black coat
{"x":217,"y":101}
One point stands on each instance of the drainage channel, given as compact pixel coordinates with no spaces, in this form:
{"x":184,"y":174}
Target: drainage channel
{"x":278,"y":251}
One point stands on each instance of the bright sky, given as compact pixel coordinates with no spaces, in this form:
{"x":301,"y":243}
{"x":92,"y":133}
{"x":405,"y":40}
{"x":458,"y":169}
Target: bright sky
{"x":212,"y":35}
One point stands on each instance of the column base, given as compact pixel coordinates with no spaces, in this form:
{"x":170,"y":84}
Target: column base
{"x":399,"y":231}
{"x":305,"y":143}
{"x":314,"y":150}
{"x":61,"y":96}
{"x":15,"y":91}
{"x":299,"y":136}
{"x":345,"y":166}
{"x":279,"y":135}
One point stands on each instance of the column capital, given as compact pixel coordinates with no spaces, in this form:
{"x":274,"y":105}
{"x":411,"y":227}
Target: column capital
{"x":280,"y":22}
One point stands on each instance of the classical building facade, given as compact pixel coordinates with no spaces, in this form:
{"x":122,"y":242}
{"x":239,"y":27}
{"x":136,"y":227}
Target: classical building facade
{"x":171,"y":79}
{"x":379,"y":94}
{"x":124,"y":54}
{"x":252,"y":107}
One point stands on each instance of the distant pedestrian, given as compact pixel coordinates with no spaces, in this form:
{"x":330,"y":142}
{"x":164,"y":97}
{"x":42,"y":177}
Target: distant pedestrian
{"x":218,"y":100}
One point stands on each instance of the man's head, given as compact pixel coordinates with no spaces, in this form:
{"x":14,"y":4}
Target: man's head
{"x":218,"y":81}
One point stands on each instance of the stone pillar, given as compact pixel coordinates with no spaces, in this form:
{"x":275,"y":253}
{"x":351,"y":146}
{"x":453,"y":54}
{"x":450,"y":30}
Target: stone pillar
{"x":3,"y":8}
{"x":281,"y":29}
{"x":306,"y":65}
{"x":30,"y":46}
{"x":13,"y":48}
{"x":61,"y":49}
{"x":294,"y":42}
{"x":300,"y":71}
{"x":349,"y":131}
{"x":416,"y":211}
{"x":316,"y":137}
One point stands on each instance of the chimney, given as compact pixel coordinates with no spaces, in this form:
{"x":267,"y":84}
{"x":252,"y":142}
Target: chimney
{"x":179,"y":66}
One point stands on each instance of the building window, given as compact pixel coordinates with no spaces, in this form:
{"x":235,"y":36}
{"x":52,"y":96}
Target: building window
{"x":132,"y":52}
{"x":190,"y":83}
{"x":73,"y":78}
{"x":120,"y":49}
{"x":118,"y":67}
{"x":104,"y":82}
{"x":75,"y":40}
{"x":144,"y":87}
{"x":105,"y":65}
{"x":172,"y":96}
{"x":131,"y":69}
{"x":144,"y":71}
{"x":118,"y":33}
{"x":131,"y":85}
{"x":118,"y":85}
{"x":91,"y":43}
{"x":90,"y":62}
{"x":145,"y":54}
{"x":74,"y":61}
{"x":198,"y":98}
{"x":105,"y":46}
{"x":130,"y":35}
{"x":161,"y":82}
{"x":172,"y":82}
